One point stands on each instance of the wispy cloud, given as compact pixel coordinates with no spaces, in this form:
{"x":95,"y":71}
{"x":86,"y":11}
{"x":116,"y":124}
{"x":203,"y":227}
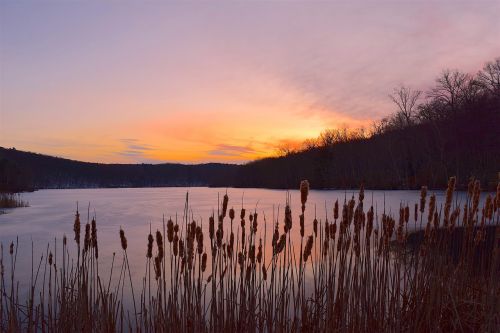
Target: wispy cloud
{"x":135,"y":150}
{"x":231,"y":150}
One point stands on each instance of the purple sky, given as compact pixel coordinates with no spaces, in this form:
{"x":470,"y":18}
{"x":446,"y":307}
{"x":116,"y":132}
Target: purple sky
{"x":219,"y":81}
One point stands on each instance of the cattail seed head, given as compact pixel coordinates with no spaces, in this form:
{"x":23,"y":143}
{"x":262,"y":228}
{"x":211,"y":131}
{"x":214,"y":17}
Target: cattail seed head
{"x":308,"y":248}
{"x":203,"y":262}
{"x":76,"y":228}
{"x":123,"y":239}
{"x":159,"y":244}
{"x":423,"y":195}
{"x":336,"y":210}
{"x":149,"y":254}
{"x":50,"y":259}
{"x":231,"y":214}
{"x":361,"y":192}
{"x":211,"y":227}
{"x":315,"y":227}
{"x":304,"y":191}
{"x":170,"y":231}
{"x":225,"y":201}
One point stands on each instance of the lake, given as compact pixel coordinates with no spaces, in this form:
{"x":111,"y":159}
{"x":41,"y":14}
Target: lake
{"x":51,"y":215}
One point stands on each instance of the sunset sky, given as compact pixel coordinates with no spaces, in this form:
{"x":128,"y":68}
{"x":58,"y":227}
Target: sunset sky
{"x":218,"y":81}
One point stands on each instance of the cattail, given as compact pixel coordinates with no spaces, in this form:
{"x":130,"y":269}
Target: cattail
{"x":448,"y":200}
{"x":11,"y":248}
{"x":325,"y":246}
{"x":497,"y":198}
{"x":288,"y":219}
{"x":50,"y":259}
{"x":423,"y":195}
{"x":149,"y":254}
{"x":123,"y":239}
{"x":361,"y":192}
{"x":94,"y":238}
{"x":203,"y":262}
{"x":181,"y":248}
{"x":407,"y":214}
{"x":159,"y":244}
{"x":170,"y":231}
{"x":432,"y":207}
{"x":157,"y":267}
{"x":255,"y":222}
{"x":225,"y":201}
{"x":315,"y":227}
{"x":199,"y":239}
{"x":489,"y":207}
{"x":333,"y":230}
{"x":301,"y":225}
{"x":308,"y":248}
{"x":76,"y":227}
{"x":176,"y":245}
{"x":336,"y":210}
{"x":415,"y":214}
{"x":281,"y":244}
{"x":304,"y":191}
{"x":276,"y":236}
{"x":231,"y":214}
{"x":64,"y":240}
{"x":259,"y":252}
{"x":87,"y":240}
{"x":242,"y":214}
{"x":211,"y":227}
{"x":251,"y":254}
{"x":264,"y":272}
{"x":176,"y":228}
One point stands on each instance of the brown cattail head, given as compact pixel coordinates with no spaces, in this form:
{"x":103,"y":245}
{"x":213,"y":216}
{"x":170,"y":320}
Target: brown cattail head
{"x":157,"y":267}
{"x":336,"y":210}
{"x":259,"y":252}
{"x":123,"y":239}
{"x":94,"y":233}
{"x":225,"y":201}
{"x":211,"y":227}
{"x":11,"y":248}
{"x":407,"y":214}
{"x":231,"y":214}
{"x":288,"y":219}
{"x":301,"y":217}
{"x":432,"y":207}
{"x":159,"y":244}
{"x":304,"y":191}
{"x":255,"y":222}
{"x":50,"y":259}
{"x":203,"y":262}
{"x":87,"y":240}
{"x":315,"y":227}
{"x":361,"y":192}
{"x":308,"y":248}
{"x":176,"y":245}
{"x":264,"y":272}
{"x":242,"y":213}
{"x":76,"y":227}
{"x":149,"y":254}
{"x":170,"y":231}
{"x":415,"y":214}
{"x":488,"y":207}
{"x":423,"y":195}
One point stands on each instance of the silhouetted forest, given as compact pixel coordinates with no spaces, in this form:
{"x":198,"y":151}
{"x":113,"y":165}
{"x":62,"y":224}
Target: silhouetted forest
{"x":451,"y":129}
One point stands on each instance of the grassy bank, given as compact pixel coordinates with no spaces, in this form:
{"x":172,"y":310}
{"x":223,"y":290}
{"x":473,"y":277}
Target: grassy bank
{"x":355,"y":270}
{"x":12,"y":200}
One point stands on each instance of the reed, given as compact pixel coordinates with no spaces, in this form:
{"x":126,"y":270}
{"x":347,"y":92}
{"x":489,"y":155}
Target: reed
{"x":363,"y":271}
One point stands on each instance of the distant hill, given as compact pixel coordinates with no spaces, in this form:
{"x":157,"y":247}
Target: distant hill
{"x":21,"y":170}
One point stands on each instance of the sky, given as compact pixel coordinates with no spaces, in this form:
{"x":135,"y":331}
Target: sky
{"x":231,"y":81}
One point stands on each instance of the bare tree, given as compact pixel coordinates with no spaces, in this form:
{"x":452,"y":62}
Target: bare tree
{"x":406,"y":100}
{"x":450,"y":89}
{"x":489,"y":77}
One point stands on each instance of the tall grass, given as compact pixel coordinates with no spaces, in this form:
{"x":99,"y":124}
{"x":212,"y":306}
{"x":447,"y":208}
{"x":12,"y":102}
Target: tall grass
{"x":11,"y":200}
{"x":357,"y":271}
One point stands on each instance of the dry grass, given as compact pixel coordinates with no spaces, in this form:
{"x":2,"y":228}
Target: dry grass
{"x":11,"y":200}
{"x":355,"y":273}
